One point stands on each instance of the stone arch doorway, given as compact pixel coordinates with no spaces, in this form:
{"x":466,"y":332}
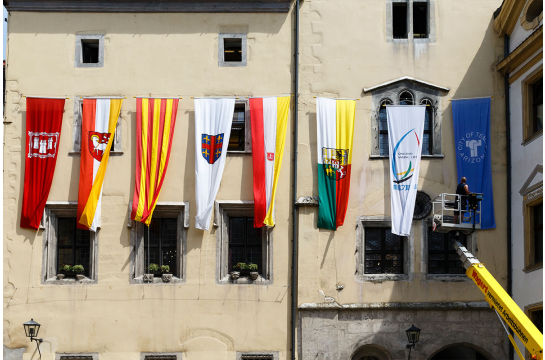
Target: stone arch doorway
{"x":371,"y":352}
{"x":459,"y":352}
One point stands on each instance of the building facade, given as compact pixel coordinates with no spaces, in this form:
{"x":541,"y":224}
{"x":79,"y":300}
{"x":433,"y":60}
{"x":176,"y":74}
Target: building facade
{"x":348,"y":307}
{"x":521,"y":23}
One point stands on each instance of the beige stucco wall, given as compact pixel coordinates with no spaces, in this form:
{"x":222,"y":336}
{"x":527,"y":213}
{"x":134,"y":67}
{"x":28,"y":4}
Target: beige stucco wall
{"x":158,"y":54}
{"x":339,"y":61}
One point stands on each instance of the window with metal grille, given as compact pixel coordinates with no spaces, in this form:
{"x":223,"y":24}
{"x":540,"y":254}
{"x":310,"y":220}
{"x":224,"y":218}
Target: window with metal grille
{"x":76,"y":357}
{"x":162,"y":245}
{"x":245,"y":242}
{"x":537,"y":218}
{"x":383,"y":251}
{"x":399,"y":17}
{"x":420,"y":20}
{"x":160,"y":357}
{"x":256,"y":357}
{"x":442,"y":258}
{"x":537,"y":318}
{"x":73,"y":244}
{"x":237,"y":140}
{"x":427,"y":137}
{"x":383,"y":127}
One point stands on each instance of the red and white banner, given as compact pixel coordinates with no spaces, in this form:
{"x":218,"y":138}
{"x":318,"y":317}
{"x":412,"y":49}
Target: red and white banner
{"x":43,"y":133}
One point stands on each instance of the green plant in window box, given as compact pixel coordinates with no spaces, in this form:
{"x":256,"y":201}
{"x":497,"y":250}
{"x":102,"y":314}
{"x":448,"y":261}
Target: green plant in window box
{"x":71,"y":271}
{"x":245,"y":269}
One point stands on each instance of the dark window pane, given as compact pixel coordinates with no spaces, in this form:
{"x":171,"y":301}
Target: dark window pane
{"x":153,"y":253}
{"x":66,"y":231}
{"x":426,"y":144}
{"x":82,"y":258}
{"x":66,"y":257}
{"x":373,"y":238}
{"x":236,"y":230}
{"x":245,"y":242}
{"x":427,"y":117}
{"x":393,"y":242}
{"x":537,"y":318}
{"x":537,"y":106}
{"x":83,"y":237}
{"x":442,"y":258}
{"x":420,"y":20}
{"x":382,"y":119}
{"x":169,"y":258}
{"x":399,"y":15}
{"x":538,"y":232}
{"x":383,"y":145}
{"x":383,"y":252}
{"x":169,"y":232}
{"x":238,"y":129}
{"x":233,"y":49}
{"x":89,"y":49}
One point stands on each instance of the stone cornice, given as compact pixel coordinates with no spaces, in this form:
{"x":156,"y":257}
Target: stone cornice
{"x":523,"y":52}
{"x":144,"y":6}
{"x":507,"y":19}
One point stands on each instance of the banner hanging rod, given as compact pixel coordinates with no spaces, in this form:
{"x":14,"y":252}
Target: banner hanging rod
{"x":481,"y":97}
{"x":45,"y":97}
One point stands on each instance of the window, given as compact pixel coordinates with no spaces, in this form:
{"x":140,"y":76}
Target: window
{"x":383,"y":252}
{"x":76,"y":356}
{"x":533,"y":234}
{"x":420,"y":20}
{"x":399,"y":14}
{"x":89,"y":51}
{"x":535,"y":314}
{"x":532,"y":14}
{"x":537,"y":232}
{"x":76,"y":132}
{"x":406,"y":98}
{"x":257,"y":355}
{"x":442,"y":258}
{"x":73,"y":244}
{"x":161,"y":356}
{"x":240,"y":139}
{"x":532,"y":88}
{"x":383,"y":127}
{"x":232,"y":50}
{"x":427,"y":137}
{"x":65,"y":244}
{"x":167,"y":235}
{"x":238,"y":241}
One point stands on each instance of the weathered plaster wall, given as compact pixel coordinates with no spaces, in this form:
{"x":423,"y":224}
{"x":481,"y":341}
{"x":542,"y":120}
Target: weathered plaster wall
{"x":338,"y":334}
{"x":159,"y":54}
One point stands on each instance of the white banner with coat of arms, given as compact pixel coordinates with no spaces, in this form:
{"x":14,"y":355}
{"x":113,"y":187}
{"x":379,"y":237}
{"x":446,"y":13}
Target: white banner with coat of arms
{"x":405,"y":129}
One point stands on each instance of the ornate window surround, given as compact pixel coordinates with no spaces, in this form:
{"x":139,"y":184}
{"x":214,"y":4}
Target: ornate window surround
{"x":531,"y":195}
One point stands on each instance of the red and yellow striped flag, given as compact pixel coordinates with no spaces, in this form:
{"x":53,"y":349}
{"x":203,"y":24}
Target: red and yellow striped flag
{"x":155,"y":120}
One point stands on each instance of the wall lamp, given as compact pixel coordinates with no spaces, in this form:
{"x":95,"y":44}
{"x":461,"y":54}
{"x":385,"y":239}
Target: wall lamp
{"x":31,"y":331}
{"x":413,"y":334}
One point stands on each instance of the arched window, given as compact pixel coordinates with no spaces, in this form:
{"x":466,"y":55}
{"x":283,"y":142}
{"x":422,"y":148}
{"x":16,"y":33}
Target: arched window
{"x":406,"y":98}
{"x":383,"y":127}
{"x":534,"y":10}
{"x":427,"y":138}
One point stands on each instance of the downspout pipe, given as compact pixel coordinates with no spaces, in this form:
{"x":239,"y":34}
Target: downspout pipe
{"x":508,"y":151}
{"x":294,"y":258}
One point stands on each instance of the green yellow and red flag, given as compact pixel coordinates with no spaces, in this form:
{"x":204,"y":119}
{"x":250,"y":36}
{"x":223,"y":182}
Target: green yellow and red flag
{"x":335,"y":134}
{"x":155,"y":121}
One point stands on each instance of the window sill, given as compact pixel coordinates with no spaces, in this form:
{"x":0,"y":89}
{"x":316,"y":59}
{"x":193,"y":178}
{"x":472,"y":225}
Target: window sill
{"x":429,"y":157}
{"x":237,"y":153}
{"x":244,"y":280}
{"x":69,"y":281}
{"x":157,"y":281}
{"x":532,"y":138}
{"x":448,"y":277}
{"x":113,"y":153}
{"x":531,"y":268}
{"x":379,"y":278}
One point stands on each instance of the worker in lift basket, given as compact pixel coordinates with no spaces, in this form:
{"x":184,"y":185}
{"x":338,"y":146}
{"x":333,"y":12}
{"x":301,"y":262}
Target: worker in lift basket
{"x":463,"y":191}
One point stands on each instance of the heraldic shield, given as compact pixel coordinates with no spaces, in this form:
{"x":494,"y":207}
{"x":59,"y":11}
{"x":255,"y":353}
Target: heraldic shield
{"x":97,"y":144}
{"x":335,"y":163}
{"x":212,"y":146}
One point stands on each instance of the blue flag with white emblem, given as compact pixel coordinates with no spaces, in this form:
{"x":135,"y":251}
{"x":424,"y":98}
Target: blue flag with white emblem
{"x":473,"y":159}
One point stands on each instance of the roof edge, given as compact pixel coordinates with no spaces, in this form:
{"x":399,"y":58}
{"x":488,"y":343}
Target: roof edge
{"x":410,"y":78}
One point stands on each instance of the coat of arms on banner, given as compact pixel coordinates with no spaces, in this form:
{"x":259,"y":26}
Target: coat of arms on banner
{"x":409,"y":152}
{"x":98,"y":143}
{"x":212,"y":146}
{"x":335,"y":161}
{"x":42,"y":145}
{"x":270,"y":156}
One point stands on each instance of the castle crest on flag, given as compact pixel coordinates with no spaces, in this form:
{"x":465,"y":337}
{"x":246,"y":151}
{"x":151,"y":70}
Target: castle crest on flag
{"x":270,"y":156}
{"x":211,"y":147}
{"x":335,"y":163}
{"x":42,"y":145}
{"x":97,"y":144}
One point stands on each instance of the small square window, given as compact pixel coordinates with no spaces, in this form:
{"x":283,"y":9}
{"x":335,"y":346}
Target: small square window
{"x":257,"y":355}
{"x":162,"y":243}
{"x":232,"y":49}
{"x":399,"y":15}
{"x":383,"y":251}
{"x":536,"y":316}
{"x":65,"y":244}
{"x":239,"y":242}
{"x":89,"y":51}
{"x":76,"y":356}
{"x":442,"y":257}
{"x":161,"y":356}
{"x":420,"y":20}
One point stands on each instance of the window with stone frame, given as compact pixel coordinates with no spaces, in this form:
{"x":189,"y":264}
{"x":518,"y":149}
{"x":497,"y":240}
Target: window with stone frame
{"x":410,"y":21}
{"x":381,"y":255}
{"x":162,"y":243}
{"x":240,"y":141}
{"x":532,"y":89}
{"x":406,"y":92}
{"x":238,"y":241}
{"x":442,"y":257}
{"x":535,"y":314}
{"x":76,"y":130}
{"x":89,"y":51}
{"x":257,"y":355}
{"x":161,"y":356}
{"x":65,"y":244}
{"x":534,"y":233}
{"x":76,"y":356}
{"x":232,"y":49}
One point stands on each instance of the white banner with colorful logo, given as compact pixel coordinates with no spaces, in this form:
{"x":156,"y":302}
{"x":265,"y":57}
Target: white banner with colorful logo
{"x":405,"y":129}
{"x":213,"y":119}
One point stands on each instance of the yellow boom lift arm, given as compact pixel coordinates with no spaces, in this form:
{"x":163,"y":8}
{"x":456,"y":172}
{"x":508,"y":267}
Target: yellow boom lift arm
{"x":507,"y":310}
